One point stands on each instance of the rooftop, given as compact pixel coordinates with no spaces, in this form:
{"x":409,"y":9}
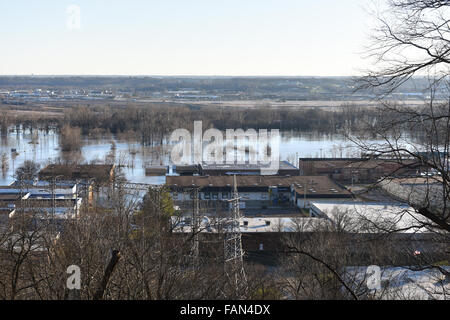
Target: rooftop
{"x":314,"y":184}
{"x":43,"y":184}
{"x":418,"y":180}
{"x":372,"y":217}
{"x":362,"y":163}
{"x":283,"y":165}
{"x":99,"y":172}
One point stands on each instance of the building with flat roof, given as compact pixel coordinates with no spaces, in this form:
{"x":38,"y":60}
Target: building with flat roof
{"x":259,"y":235}
{"x":187,"y":170}
{"x":372,"y":217}
{"x":252,"y":224}
{"x":284,"y":169}
{"x":37,"y":198}
{"x":36,"y":192}
{"x":419,"y":192}
{"x":358,"y":170}
{"x":256,"y":191}
{"x":8,"y":200}
{"x":395,"y":239}
{"x":98,"y":172}
{"x":46,"y":213}
{"x":34,"y":184}
{"x":156,"y":170}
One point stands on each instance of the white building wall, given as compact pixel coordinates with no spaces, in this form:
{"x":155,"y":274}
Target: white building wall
{"x":300,"y":201}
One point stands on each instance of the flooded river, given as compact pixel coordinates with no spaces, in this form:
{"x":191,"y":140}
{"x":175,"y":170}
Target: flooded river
{"x":43,"y":147}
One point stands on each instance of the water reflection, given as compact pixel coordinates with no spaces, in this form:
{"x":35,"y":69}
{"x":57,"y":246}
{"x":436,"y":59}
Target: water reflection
{"x":42,"y":146}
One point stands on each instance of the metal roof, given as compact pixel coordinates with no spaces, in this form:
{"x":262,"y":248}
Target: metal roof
{"x":314,"y":184}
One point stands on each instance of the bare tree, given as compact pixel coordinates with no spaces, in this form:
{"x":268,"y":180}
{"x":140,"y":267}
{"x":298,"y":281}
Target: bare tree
{"x":411,"y":38}
{"x":411,"y":42}
{"x":70,"y":138}
{"x":28,"y":171}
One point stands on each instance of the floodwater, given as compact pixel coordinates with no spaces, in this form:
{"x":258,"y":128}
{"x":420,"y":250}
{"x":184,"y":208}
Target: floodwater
{"x":43,"y":147}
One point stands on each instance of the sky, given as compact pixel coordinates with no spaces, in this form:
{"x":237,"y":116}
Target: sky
{"x":183,"y":37}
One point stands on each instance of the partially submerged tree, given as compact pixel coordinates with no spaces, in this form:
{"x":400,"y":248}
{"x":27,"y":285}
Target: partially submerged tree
{"x":70,"y":138}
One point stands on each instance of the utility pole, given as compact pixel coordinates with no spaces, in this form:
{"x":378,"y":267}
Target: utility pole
{"x":195,"y":228}
{"x":53,"y":198}
{"x":21,"y":209}
{"x":77,"y":182}
{"x":233,"y":253}
{"x":304,"y":194}
{"x":53,"y":189}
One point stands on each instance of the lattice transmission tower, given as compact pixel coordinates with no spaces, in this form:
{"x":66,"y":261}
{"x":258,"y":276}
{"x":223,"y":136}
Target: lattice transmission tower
{"x":233,"y":252}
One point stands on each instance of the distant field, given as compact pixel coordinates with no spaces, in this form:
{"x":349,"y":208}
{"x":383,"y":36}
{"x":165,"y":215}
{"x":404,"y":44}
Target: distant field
{"x":25,"y":112}
{"x":55,"y":109}
{"x":253,"y":104}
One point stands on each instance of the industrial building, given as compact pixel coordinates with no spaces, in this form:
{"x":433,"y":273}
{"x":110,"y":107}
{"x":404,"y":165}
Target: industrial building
{"x":420,"y":192}
{"x":256,"y":191}
{"x":239,"y":169}
{"x":358,"y":170}
{"x":156,"y":170}
{"x":41,"y":199}
{"x":284,"y":169}
{"x":364,"y":227}
{"x":371,"y":217}
{"x":65,"y":172}
{"x":261,"y":236}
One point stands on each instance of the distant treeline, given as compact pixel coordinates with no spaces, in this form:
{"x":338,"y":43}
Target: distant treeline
{"x":151,"y":124}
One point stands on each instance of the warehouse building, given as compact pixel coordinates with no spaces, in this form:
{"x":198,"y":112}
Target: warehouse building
{"x":99,"y":173}
{"x":256,"y":191}
{"x":357,"y":170}
{"x":284,"y":169}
